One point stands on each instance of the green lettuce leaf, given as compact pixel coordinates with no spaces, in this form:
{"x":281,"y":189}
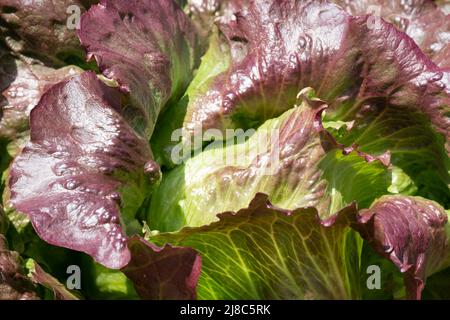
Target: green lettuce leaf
{"x":156,"y":62}
{"x":292,"y":158}
{"x":421,"y":164}
{"x":99,"y":282}
{"x":263,"y":252}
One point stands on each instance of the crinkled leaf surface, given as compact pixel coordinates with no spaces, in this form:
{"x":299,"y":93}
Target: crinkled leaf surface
{"x":410,"y":231}
{"x":163,"y":273}
{"x":44,"y":29}
{"x":279,"y":47}
{"x":205,"y":12}
{"x":400,"y":107}
{"x":263,"y":252}
{"x":29,"y":82}
{"x":149,"y":47}
{"x":85,"y":171}
{"x":290,"y":158}
{"x":422,"y":20}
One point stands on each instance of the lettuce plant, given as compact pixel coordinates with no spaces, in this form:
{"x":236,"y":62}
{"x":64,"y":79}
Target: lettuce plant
{"x":226,"y":149}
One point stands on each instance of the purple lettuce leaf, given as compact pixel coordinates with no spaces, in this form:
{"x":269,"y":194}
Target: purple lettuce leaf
{"x":95,"y":166}
{"x":278,"y":48}
{"x":149,"y":47}
{"x":14,"y":284}
{"x":27,"y":83}
{"x":163,"y":273}
{"x":85,"y":171}
{"x":412,"y":232}
{"x":431,"y":31}
{"x":205,"y":12}
{"x":40,"y":28}
{"x":422,"y":20}
{"x":272,"y":45}
{"x":401,"y":105}
{"x":267,"y":51}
